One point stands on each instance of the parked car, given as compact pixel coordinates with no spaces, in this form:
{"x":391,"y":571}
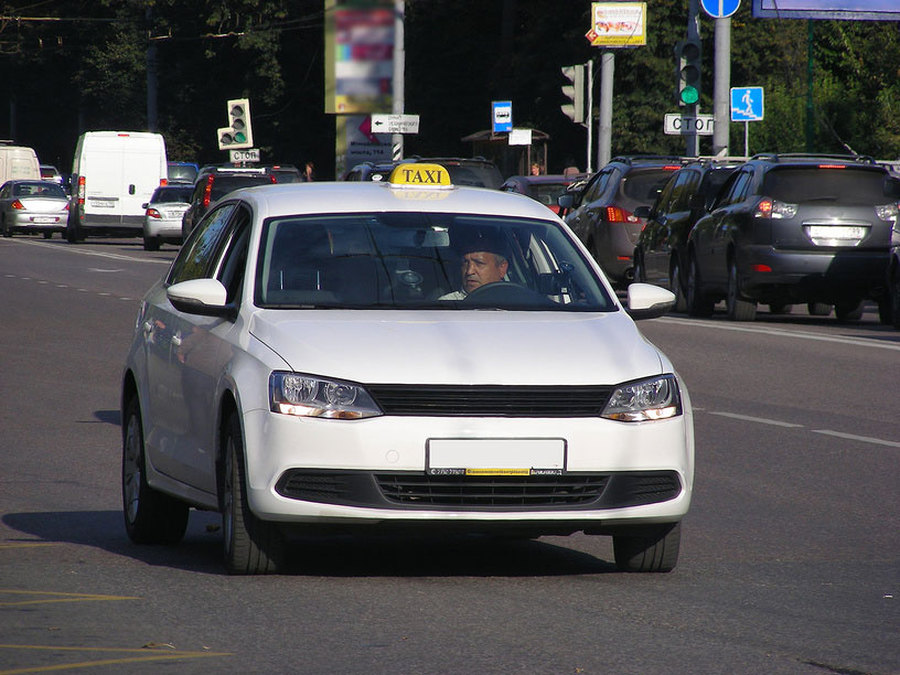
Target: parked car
{"x":602,"y":214}
{"x":162,"y":218}
{"x":660,"y":256}
{"x":790,"y":229}
{"x":213,"y":182}
{"x":470,"y":171}
{"x":51,"y":173}
{"x":893,"y":277}
{"x":545,"y":188}
{"x":33,"y":206}
{"x":300,"y":369}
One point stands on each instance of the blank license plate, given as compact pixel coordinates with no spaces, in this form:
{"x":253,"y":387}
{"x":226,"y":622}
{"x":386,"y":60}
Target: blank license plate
{"x":495,"y":456}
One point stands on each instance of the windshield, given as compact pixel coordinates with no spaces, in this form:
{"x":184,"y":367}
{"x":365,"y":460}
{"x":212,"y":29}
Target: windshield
{"x":423,"y":260}
{"x":165,"y":195}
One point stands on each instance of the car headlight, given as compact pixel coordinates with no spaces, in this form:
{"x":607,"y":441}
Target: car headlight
{"x":310,"y":396}
{"x":655,"y":399}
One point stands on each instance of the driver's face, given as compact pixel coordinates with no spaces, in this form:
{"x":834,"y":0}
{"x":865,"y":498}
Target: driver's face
{"x":481,"y":267}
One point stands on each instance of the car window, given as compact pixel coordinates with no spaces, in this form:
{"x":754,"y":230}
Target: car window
{"x":171,"y":195}
{"x":197,"y":255}
{"x":595,"y":189}
{"x":733,"y":192}
{"x":234,"y":262}
{"x":413,"y":260}
{"x":687,"y":186}
{"x":845,"y":185}
{"x":713,"y":182}
{"x":223,"y":184}
{"x":39,"y":189}
{"x":644,"y":186}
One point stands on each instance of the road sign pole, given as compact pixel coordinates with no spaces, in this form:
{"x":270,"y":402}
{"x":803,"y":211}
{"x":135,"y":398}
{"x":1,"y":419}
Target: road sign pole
{"x":746,"y":139}
{"x":722,"y":87}
{"x":692,"y":147}
{"x":604,"y":121}
{"x":398,"y":75}
{"x":589,"y":113}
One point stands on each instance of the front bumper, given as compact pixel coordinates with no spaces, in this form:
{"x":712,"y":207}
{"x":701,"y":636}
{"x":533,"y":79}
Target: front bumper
{"x":373,"y":472}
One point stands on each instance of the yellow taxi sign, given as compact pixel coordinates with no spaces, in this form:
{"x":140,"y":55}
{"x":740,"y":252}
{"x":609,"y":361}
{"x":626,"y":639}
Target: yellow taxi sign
{"x":420,"y":175}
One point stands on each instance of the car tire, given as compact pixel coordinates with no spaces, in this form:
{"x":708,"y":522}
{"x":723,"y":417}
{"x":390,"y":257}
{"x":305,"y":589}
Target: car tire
{"x":151,"y":243}
{"x":886,"y":310}
{"x":251,"y":545}
{"x":894,"y":293}
{"x":818,"y":308}
{"x":7,"y":231}
{"x":151,"y":517}
{"x":739,"y":309}
{"x":640,"y":274}
{"x":677,"y":287}
{"x":648,"y":549}
{"x":849,"y":311}
{"x":698,"y":304}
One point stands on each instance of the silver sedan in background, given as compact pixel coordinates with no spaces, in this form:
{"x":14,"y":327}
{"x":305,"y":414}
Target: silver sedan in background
{"x":33,"y":206}
{"x":162,"y":215}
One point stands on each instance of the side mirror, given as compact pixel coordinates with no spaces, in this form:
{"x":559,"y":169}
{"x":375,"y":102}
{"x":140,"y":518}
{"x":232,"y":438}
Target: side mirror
{"x":565,"y":201}
{"x":204,"y":297}
{"x":646,"y":301}
{"x":643,"y":211}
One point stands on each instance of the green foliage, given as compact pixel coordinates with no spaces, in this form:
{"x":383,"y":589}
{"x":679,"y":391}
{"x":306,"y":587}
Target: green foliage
{"x":89,"y":71}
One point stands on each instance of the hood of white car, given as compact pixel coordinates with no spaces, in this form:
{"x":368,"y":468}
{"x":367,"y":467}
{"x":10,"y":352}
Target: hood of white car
{"x":454,"y":347}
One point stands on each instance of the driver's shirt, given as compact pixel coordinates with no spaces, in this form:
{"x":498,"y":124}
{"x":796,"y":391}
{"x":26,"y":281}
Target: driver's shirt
{"x":454,"y":295}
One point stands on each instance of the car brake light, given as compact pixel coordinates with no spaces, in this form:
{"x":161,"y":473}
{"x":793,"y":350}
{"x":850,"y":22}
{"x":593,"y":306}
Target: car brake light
{"x":273,"y":178}
{"x":163,"y":181}
{"x":207,"y":191}
{"x":671,"y":167}
{"x":81,"y":191}
{"x":832,"y":166}
{"x":772,"y":208}
{"x":761,"y":268}
{"x":17,"y":205}
{"x":153,"y":213}
{"x":614,"y":214}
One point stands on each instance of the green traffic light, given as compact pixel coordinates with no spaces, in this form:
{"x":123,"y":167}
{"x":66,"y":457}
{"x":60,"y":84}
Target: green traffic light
{"x":239,"y":137}
{"x":689,"y":95}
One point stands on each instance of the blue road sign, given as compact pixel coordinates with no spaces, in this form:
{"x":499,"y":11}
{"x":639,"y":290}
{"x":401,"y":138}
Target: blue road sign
{"x":502,"y":114}
{"x":720,"y":9}
{"x":747,"y":104}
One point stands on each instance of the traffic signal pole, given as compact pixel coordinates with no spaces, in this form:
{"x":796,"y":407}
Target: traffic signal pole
{"x":722,"y":87}
{"x":604,"y":121}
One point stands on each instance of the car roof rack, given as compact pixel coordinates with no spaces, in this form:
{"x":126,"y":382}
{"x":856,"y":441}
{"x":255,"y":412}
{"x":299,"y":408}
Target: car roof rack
{"x":631,"y":159}
{"x":789,"y":156}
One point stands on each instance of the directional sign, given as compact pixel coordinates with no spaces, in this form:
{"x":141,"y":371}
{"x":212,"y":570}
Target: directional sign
{"x":395,"y":124}
{"x":747,"y":104}
{"x":720,"y":9}
{"x":677,"y":124}
{"x":502,"y":113}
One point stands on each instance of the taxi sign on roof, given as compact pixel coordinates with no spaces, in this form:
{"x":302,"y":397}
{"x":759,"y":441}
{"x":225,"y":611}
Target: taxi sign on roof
{"x":420,"y":175}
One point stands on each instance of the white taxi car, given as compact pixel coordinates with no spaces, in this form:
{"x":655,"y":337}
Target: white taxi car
{"x":337,"y":355}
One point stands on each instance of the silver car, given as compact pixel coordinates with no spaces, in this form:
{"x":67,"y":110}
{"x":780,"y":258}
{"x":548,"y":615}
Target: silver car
{"x":33,"y":206}
{"x":162,"y":215}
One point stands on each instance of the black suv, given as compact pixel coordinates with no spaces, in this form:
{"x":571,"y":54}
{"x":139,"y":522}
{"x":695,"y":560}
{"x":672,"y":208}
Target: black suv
{"x":214,"y":182}
{"x":603,"y":213}
{"x":893,"y":277}
{"x":660,"y":256}
{"x":474,"y":171}
{"x":789,"y":229}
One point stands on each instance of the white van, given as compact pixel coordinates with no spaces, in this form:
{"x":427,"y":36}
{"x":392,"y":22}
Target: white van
{"x":113,"y":174}
{"x":18,"y":162}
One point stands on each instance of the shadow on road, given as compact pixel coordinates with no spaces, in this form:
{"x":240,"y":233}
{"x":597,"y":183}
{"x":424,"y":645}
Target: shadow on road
{"x":322,"y":556}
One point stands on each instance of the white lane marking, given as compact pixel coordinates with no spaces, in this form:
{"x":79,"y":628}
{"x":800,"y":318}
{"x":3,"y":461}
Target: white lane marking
{"x":761,"y":420}
{"x":83,"y":251}
{"x":100,"y":269}
{"x":857,"y":342}
{"x":854,"y":437}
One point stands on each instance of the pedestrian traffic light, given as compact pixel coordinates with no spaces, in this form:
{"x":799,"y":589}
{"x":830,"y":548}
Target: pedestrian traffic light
{"x":687,"y":55}
{"x":239,"y":135}
{"x":574,"y":92}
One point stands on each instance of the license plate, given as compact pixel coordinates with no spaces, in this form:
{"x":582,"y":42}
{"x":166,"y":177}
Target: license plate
{"x":845,"y":232}
{"x":44,"y":219}
{"x":495,"y":456}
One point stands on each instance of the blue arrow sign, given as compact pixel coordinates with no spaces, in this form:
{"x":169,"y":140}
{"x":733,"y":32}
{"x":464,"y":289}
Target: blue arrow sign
{"x":747,"y":104}
{"x":720,"y":9}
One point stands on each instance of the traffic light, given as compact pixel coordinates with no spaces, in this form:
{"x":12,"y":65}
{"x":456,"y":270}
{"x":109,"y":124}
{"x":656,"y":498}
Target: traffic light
{"x":687,"y":53}
{"x":239,"y":135}
{"x":574,"y":92}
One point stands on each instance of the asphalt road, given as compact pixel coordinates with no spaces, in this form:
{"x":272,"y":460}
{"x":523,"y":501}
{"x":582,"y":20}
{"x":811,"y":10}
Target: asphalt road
{"x":790,"y":557}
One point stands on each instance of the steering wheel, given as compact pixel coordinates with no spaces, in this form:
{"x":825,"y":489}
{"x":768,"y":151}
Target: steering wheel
{"x":506,"y":293}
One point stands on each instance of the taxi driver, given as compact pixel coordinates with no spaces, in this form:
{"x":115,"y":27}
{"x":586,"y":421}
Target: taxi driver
{"x":482,"y":263}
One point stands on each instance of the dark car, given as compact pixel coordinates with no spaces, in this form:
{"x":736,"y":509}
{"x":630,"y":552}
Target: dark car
{"x":660,"y":256}
{"x":471,"y":171}
{"x":602,"y":214}
{"x":182,"y":172}
{"x":792,"y":229}
{"x":214,"y":182}
{"x":893,"y":278}
{"x":545,"y":188}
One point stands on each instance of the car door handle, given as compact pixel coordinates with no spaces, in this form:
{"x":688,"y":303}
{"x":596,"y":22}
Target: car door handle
{"x":176,"y":340}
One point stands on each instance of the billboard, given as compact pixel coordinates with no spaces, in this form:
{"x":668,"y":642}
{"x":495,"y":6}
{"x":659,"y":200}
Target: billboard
{"x":618,"y":24}
{"x":359,"y":56}
{"x":853,"y":10}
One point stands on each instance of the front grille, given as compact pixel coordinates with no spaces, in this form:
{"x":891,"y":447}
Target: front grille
{"x":500,"y":491}
{"x":413,"y":490}
{"x":490,"y":400}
